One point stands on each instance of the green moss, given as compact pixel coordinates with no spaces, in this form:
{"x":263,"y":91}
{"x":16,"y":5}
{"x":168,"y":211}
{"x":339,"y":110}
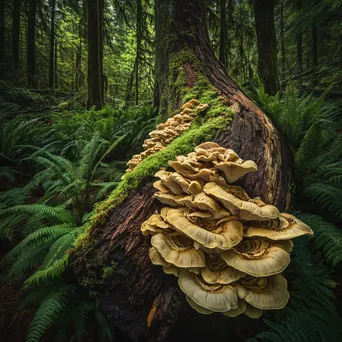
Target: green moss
{"x":108,"y":270}
{"x":184,"y":144}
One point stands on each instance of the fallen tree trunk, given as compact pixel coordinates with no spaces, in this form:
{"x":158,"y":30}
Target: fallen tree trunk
{"x":137,"y":297}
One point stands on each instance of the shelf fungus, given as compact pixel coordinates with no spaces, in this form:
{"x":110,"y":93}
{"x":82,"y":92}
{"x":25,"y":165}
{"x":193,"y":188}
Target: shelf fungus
{"x":226,"y":248}
{"x":168,"y":131}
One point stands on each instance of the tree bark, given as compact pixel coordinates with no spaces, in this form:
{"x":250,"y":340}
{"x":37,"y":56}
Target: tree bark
{"x":52,"y":46}
{"x":223,"y":33}
{"x":136,"y":289}
{"x":16,"y":33}
{"x":299,"y":50}
{"x":95,"y":55}
{"x":282,"y":40}
{"x":314,"y":43}
{"x":2,"y":39}
{"x":31,"y":45}
{"x":267,"y":46}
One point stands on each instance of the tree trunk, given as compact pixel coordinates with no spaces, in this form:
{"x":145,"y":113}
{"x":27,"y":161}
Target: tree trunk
{"x":299,"y":50}
{"x":138,"y":50}
{"x":95,"y":93}
{"x":52,"y":46}
{"x":223,"y":33}
{"x":31,"y":45}
{"x":136,"y":289}
{"x":314,"y":43}
{"x":16,"y":33}
{"x":2,"y":39}
{"x":282,"y":40}
{"x":55,"y":59}
{"x":267,"y":46}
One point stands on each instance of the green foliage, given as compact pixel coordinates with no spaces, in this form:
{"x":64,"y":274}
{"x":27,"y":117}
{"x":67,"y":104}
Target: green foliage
{"x":311,"y":314}
{"x":311,"y":127}
{"x":327,"y":239}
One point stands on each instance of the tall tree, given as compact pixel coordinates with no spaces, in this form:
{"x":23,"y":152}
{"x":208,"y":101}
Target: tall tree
{"x":299,"y":47}
{"x":282,"y":40}
{"x":138,"y":48}
{"x":267,"y":46}
{"x":95,"y":53}
{"x":185,"y":63}
{"x":2,"y":38}
{"x":52,"y":45}
{"x":16,"y":32}
{"x":31,"y":44}
{"x":223,"y":33}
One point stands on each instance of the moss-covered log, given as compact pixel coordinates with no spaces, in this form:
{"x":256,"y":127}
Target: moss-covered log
{"x":113,"y":260}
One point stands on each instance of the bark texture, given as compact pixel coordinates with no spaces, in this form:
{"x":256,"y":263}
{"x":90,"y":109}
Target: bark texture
{"x":267,"y":46}
{"x":31,"y":45}
{"x":52,"y":46}
{"x":16,"y":33}
{"x":137,"y":297}
{"x":95,"y":53}
{"x":2,"y":38}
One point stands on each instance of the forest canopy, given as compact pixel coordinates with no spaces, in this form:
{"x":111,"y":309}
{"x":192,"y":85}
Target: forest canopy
{"x":100,"y":99}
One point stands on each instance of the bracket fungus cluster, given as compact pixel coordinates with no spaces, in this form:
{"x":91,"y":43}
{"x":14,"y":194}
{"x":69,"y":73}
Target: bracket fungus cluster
{"x":226,"y":248}
{"x":167,"y":131}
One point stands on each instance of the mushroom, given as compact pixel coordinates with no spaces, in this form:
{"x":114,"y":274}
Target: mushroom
{"x":168,"y":181}
{"x":178,"y":250}
{"x":197,"y":307}
{"x":252,"y":312}
{"x":264,"y":293}
{"x":233,"y":170}
{"x":292,"y":229}
{"x":217,"y":298}
{"x":154,"y":225}
{"x":245,"y":210}
{"x":224,"y":237}
{"x":218,"y":272}
{"x":241,"y":307}
{"x":259,"y":257}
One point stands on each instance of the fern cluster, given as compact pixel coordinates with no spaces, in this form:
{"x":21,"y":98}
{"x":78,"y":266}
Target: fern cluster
{"x":72,"y":161}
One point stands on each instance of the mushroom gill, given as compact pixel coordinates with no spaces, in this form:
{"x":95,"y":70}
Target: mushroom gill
{"x":226,"y":248}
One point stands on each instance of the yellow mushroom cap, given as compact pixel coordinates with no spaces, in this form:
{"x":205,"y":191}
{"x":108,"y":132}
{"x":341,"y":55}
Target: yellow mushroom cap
{"x":218,"y":272}
{"x":224,"y":237}
{"x":154,"y":225}
{"x":156,"y":258}
{"x":244,"y":209}
{"x":169,"y":182}
{"x":171,"y":270}
{"x":241,"y":307}
{"x":218,"y":298}
{"x":168,"y":199}
{"x":294,"y":228}
{"x":197,"y":307}
{"x":233,"y":171}
{"x":252,"y":312}
{"x":161,"y":187}
{"x":178,"y":251}
{"x":259,"y":257}
{"x":206,"y":203}
{"x":264,"y":293}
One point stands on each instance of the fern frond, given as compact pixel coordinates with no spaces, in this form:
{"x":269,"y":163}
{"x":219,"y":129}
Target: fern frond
{"x":58,"y":213}
{"x":328,"y":196}
{"x":327,"y":238}
{"x":47,"y":313}
{"x":38,"y":237}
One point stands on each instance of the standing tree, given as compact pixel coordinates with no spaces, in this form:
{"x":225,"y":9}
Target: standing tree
{"x":16,"y":33}
{"x":2,"y":38}
{"x":52,"y":46}
{"x":223,"y":33}
{"x":31,"y":44}
{"x":186,"y":67}
{"x":267,"y":46}
{"x":95,"y":53}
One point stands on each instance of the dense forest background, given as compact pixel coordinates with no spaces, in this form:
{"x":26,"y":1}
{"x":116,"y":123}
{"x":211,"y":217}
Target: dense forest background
{"x":77,"y":100}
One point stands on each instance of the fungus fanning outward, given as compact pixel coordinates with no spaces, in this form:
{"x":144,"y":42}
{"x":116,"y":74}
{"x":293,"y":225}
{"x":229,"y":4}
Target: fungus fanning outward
{"x":167,"y":131}
{"x":226,"y":248}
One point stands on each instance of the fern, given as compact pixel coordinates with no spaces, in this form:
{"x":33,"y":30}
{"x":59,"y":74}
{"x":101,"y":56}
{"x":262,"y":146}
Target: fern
{"x":48,"y":312}
{"x":327,"y":239}
{"x":58,"y":213}
{"x":310,"y":314}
